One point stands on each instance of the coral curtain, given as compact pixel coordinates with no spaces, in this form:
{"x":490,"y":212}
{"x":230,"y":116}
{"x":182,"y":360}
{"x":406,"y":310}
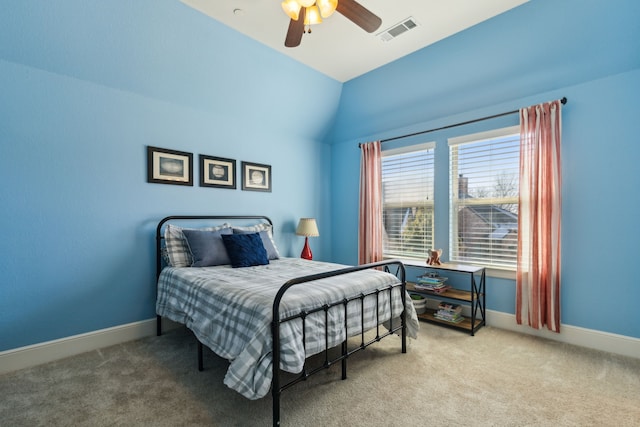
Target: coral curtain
{"x":539,"y":225}
{"x":370,"y":212}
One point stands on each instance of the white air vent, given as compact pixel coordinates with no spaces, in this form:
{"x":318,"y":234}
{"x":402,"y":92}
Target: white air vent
{"x":401,"y":28}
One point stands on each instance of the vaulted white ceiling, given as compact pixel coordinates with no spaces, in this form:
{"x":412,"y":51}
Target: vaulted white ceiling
{"x":339,"y":48}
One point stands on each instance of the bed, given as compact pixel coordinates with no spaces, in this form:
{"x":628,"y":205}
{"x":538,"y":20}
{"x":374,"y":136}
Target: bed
{"x":230,"y":286}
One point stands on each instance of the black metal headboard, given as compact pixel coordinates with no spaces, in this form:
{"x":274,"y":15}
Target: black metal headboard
{"x":160,"y":235}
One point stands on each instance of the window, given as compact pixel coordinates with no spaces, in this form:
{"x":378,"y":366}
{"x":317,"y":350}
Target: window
{"x":407,"y":198}
{"x":484,"y":178}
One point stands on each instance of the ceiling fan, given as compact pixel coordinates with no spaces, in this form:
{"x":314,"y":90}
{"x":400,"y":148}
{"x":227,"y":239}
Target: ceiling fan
{"x":304,"y":13}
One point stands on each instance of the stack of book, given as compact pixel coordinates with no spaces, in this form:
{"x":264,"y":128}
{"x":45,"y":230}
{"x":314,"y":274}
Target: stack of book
{"x":449,"y":312}
{"x":431,"y":283}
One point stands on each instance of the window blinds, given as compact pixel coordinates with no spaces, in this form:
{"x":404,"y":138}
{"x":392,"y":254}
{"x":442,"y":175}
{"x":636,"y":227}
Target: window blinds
{"x":407,"y":194}
{"x":484,"y":188}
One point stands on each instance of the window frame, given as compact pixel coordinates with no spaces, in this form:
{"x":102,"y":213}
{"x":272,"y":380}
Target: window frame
{"x":455,"y":202}
{"x":429,"y":204}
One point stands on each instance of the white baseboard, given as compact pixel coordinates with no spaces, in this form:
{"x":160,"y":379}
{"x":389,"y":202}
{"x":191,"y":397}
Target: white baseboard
{"x":597,"y":340}
{"x":32,"y":355}
{"x":25,"y":357}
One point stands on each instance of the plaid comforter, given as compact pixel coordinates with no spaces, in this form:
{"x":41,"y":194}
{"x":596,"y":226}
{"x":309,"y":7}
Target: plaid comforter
{"x":230,"y":311}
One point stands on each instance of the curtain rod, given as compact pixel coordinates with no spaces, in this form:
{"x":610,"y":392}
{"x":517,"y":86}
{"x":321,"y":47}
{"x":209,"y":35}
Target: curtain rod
{"x":563,"y":101}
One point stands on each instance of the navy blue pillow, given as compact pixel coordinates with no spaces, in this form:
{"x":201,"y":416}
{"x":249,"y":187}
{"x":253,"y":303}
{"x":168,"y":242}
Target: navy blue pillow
{"x":272,"y":252}
{"x":245,"y":250}
{"x":207,"y":247}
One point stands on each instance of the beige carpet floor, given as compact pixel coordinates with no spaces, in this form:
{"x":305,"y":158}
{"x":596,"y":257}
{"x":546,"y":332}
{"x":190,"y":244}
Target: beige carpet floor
{"x":447,"y":378}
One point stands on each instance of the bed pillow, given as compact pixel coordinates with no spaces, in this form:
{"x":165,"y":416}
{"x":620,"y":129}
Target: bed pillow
{"x":266,"y":234}
{"x":176,"y":246}
{"x":245,"y":250}
{"x":207,"y":248}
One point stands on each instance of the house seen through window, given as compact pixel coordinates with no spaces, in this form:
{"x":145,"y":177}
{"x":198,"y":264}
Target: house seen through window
{"x":483,"y":202}
{"x":407,"y":197}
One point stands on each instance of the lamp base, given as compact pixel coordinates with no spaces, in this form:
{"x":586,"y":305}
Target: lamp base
{"x":306,"y":251}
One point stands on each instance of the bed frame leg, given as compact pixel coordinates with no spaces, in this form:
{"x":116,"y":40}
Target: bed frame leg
{"x":200,"y":362}
{"x":404,"y":333}
{"x":158,"y":325}
{"x":276,"y":408}
{"x":403,"y":318}
{"x":344,"y":360}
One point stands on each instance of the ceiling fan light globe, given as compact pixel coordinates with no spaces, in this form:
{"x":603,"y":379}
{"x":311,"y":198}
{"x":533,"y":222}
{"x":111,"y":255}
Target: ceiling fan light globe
{"x":306,"y":3}
{"x":291,"y":8}
{"x":312,"y":16}
{"x":327,"y":7}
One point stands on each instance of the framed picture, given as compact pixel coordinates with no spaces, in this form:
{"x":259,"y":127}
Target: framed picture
{"x":217,"y":172}
{"x":169,"y":166}
{"x":256,"y":177}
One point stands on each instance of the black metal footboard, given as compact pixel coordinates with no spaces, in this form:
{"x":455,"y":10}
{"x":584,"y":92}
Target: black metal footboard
{"x":277,"y":386}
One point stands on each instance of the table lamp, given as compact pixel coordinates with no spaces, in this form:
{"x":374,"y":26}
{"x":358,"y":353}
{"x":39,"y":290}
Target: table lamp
{"x":307,"y":227}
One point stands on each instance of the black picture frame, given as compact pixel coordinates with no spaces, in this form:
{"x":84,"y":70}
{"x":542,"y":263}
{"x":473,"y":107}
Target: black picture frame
{"x":217,"y":172}
{"x":166,"y":166}
{"x":256,"y":177}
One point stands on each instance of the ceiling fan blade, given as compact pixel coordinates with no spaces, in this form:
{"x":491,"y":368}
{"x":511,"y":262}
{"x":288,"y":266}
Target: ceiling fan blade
{"x":295,"y":31}
{"x":359,"y":15}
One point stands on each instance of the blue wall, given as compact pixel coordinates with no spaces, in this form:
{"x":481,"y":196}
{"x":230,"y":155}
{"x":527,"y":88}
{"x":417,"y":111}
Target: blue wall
{"x":85,"y":87}
{"x":543,"y":50}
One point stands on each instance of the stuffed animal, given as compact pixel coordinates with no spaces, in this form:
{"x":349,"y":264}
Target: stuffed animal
{"x":434,"y":257}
